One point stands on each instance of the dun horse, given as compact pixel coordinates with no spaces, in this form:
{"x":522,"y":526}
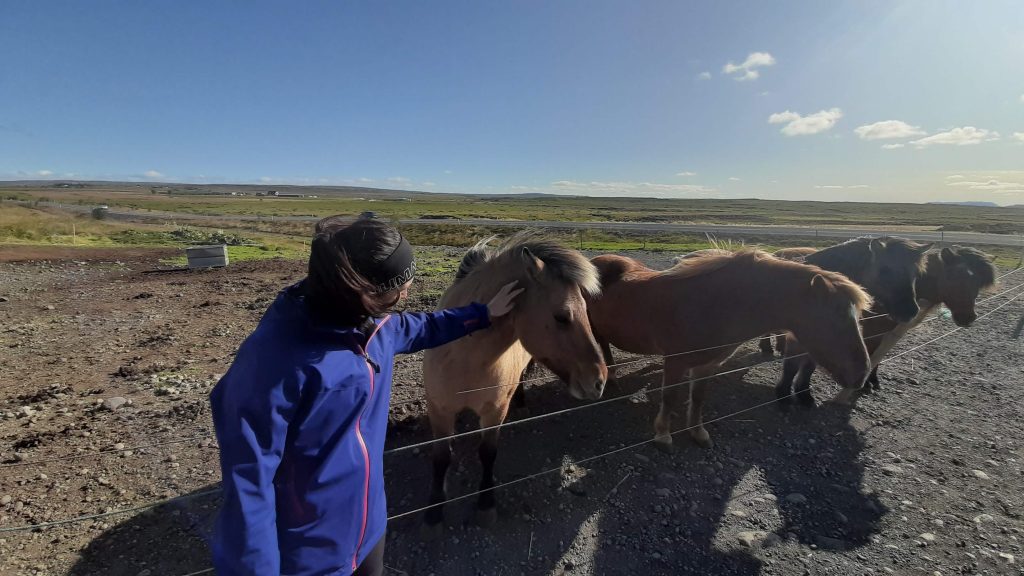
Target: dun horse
{"x":714,"y":301}
{"x":481,"y":372}
{"x":888,"y":269}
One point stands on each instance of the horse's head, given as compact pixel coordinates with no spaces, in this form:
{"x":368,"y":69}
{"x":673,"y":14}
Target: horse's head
{"x":895,"y":266}
{"x":830,"y":327}
{"x":965,"y":273}
{"x":551,"y":317}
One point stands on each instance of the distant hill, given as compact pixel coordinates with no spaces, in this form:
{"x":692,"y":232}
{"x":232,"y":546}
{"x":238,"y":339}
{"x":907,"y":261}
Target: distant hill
{"x":968,"y":203}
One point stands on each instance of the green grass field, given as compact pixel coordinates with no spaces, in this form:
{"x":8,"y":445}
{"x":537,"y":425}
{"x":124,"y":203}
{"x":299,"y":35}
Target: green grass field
{"x":395,"y":205}
{"x":289,"y":239}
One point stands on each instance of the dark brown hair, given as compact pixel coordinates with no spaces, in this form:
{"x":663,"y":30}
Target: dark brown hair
{"x":335,"y":290}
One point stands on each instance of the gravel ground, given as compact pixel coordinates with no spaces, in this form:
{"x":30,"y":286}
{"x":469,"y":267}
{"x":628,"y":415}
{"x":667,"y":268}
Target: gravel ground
{"x":925,"y":477}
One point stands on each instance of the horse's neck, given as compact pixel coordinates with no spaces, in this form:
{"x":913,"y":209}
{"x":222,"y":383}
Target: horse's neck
{"x":849,"y":259}
{"x":929,"y":284}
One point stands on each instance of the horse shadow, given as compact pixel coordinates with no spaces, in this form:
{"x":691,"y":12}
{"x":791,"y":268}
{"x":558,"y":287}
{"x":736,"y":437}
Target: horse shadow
{"x":774,"y":479}
{"x":781,"y":479}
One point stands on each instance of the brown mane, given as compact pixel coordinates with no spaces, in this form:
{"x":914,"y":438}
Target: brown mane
{"x":979,"y":263}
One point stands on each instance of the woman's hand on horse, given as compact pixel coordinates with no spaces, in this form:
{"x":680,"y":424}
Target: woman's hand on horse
{"x":504,"y":301}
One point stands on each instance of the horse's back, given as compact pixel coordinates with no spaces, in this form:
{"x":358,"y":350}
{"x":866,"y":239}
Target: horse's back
{"x":794,"y":253}
{"x":612,"y":267}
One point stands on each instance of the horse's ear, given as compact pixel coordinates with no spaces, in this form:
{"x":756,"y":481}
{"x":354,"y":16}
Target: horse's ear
{"x":533,"y":264}
{"x":925,"y":247}
{"x":948,"y":256}
{"x":876,"y":245}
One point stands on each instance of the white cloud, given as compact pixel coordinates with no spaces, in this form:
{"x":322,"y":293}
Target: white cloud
{"x":364,"y":180}
{"x":1002,"y":183}
{"x":955,"y":177}
{"x":964,"y":136}
{"x":887,"y":130}
{"x":748,"y":69}
{"x":797,"y":125}
{"x":152,"y":174}
{"x":840,"y":186}
{"x":704,"y":75}
{"x":1019,"y":136}
{"x":430,"y":184}
{"x":892,"y":146}
{"x":686,"y":173}
{"x":859,"y":186}
{"x":399,"y":180}
{"x":829,"y":186}
{"x":44,"y":173}
{"x":733,"y":179}
{"x":266,"y":179}
{"x":596,"y":188}
{"x":1022,"y":97}
{"x":447,"y":171}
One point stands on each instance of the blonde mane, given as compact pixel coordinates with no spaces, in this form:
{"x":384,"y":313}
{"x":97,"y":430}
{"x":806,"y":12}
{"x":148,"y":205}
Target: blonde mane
{"x":485,"y":267}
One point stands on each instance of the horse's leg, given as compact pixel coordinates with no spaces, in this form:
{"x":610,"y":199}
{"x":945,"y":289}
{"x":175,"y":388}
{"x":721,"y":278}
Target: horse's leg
{"x":486,"y":505}
{"x":700,"y":379}
{"x":780,"y":344}
{"x":765,"y":343}
{"x":442,"y":425}
{"x":873,"y":383}
{"x":784,"y":389}
{"x":803,"y":382}
{"x":673,"y":398}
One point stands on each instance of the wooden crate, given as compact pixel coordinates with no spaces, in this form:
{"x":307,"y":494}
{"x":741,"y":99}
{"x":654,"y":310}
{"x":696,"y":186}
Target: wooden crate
{"x":207,"y":256}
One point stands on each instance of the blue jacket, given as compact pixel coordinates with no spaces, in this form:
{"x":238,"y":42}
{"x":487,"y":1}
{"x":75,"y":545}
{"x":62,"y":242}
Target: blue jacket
{"x":301,"y":417}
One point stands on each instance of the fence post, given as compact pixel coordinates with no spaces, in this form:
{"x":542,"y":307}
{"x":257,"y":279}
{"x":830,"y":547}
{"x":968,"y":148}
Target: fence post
{"x":942,"y":238}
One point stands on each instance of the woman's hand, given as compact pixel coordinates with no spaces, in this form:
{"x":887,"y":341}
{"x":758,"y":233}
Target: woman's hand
{"x":504,"y":301}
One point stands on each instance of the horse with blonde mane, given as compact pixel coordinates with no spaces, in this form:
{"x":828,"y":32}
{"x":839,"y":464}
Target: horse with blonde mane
{"x":481,"y":372}
{"x":697,"y":312}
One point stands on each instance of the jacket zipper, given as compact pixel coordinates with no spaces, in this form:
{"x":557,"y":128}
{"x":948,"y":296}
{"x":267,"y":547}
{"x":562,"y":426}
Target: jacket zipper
{"x":373,"y":369}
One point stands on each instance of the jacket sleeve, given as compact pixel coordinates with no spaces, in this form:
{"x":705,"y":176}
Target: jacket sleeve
{"x":251,"y":427}
{"x":415,"y":331}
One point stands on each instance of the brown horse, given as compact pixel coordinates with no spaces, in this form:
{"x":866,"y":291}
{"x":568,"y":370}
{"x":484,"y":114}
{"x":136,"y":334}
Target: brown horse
{"x":888,"y":269}
{"x":715,"y":301}
{"x":795,"y":255}
{"x":952,"y":277}
{"x":481,"y":372}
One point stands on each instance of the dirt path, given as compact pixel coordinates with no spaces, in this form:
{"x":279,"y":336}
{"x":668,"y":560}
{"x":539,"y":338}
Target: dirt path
{"x":925,"y":477}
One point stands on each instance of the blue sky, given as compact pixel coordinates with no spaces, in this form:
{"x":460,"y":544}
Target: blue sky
{"x":861,"y":100}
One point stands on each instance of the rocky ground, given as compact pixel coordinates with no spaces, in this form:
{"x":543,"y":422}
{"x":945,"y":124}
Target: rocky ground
{"x":96,"y":354}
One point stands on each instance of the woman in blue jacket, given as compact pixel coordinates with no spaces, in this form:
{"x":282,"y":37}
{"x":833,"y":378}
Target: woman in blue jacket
{"x":301,"y":414}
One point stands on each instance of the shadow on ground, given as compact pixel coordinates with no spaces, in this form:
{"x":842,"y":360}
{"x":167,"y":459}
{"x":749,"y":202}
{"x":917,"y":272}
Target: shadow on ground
{"x":780,"y":479}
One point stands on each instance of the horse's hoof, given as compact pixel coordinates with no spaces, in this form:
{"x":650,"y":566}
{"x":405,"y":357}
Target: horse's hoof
{"x":664,"y":444}
{"x":431,"y":532}
{"x":807,"y":401}
{"x":487,"y":517}
{"x":846,"y":397}
{"x":703,"y":439}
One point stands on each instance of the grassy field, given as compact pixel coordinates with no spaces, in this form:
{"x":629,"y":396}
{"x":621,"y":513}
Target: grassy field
{"x":249,"y":240}
{"x":32,"y":226}
{"x":395,"y":205}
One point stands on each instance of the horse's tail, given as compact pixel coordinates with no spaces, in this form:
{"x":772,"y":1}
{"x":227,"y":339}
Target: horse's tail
{"x":478,"y":254}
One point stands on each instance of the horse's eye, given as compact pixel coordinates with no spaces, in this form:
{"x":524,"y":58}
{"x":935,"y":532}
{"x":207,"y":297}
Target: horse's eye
{"x":563,"y":319}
